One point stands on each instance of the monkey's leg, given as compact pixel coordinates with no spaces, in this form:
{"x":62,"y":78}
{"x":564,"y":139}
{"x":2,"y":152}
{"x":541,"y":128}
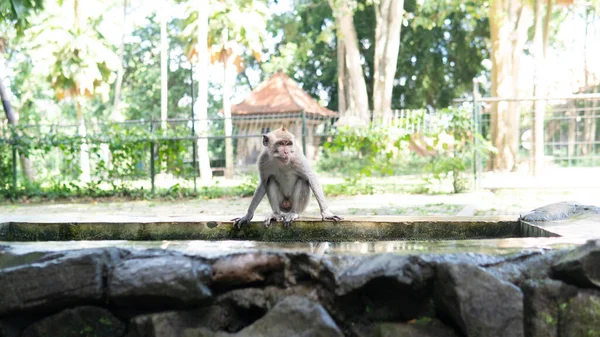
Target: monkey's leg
{"x":300,"y":198}
{"x":275,"y":198}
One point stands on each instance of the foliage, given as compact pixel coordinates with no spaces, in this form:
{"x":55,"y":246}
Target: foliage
{"x":17,"y":12}
{"x":129,"y":148}
{"x":453,"y":144}
{"x":369,"y":148}
{"x":442,"y":48}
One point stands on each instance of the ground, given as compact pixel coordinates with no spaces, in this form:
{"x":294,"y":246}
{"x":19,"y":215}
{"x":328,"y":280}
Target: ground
{"x":487,"y":202}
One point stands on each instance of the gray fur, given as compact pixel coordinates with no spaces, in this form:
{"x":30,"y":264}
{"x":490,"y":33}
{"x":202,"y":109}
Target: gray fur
{"x":278,"y":180}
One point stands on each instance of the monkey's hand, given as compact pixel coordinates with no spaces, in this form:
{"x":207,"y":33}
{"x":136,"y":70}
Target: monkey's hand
{"x":327,"y":215}
{"x":243,"y":221}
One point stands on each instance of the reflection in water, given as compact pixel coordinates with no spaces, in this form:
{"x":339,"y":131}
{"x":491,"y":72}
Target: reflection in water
{"x":216,"y":248}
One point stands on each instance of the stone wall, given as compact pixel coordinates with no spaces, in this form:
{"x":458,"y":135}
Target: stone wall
{"x":114,"y":292}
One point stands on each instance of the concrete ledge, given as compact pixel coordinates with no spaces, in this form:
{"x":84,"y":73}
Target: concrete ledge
{"x":358,"y":228}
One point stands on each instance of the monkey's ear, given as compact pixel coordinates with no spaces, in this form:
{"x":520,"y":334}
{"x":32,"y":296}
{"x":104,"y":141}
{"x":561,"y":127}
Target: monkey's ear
{"x":265,"y":140}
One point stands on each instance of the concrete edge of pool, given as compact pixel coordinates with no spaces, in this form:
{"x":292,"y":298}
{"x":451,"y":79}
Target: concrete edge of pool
{"x":355,"y":228}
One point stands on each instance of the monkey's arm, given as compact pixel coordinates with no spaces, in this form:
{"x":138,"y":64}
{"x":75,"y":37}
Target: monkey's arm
{"x":317,"y":189}
{"x":259,"y":194}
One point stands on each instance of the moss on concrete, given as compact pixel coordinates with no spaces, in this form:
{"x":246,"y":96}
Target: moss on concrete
{"x":389,"y":228}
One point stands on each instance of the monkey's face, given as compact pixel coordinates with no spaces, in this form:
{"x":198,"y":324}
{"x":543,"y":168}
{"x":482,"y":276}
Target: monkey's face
{"x":284,"y":150}
{"x":280,"y":144}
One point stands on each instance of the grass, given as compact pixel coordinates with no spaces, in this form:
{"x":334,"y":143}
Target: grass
{"x":220,"y":188}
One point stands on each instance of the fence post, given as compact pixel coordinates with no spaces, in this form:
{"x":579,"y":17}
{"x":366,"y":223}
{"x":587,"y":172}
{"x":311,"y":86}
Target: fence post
{"x":476,"y":133}
{"x":152,"y":170}
{"x":304,"y":132}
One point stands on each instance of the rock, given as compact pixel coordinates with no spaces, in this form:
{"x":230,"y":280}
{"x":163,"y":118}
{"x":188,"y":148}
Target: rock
{"x":247,"y":269}
{"x":56,"y":281}
{"x":523,"y":267}
{"x":293,"y":316}
{"x":172,"y":280}
{"x":385,"y":287}
{"x":229,"y":312}
{"x":477,"y":302}
{"x":12,"y":326}
{"x":559,"y":211}
{"x":581,"y":266}
{"x":80,"y":321}
{"x":421,"y":328}
{"x":542,"y":299}
{"x":580,"y":315}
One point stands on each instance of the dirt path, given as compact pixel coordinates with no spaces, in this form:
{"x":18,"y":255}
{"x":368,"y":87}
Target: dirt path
{"x":504,"y":202}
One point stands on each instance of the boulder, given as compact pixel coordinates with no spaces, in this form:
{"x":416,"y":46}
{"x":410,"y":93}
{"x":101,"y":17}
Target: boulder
{"x":421,"y":328}
{"x":477,"y":302}
{"x":542,"y":299}
{"x":86,"y":321}
{"x":581,"y":266}
{"x":12,"y":326}
{"x":580,"y":315}
{"x":248,"y":269}
{"x":56,"y":281}
{"x":293,"y":316}
{"x":536,"y":265}
{"x":172,"y":280}
{"x":229,"y":312}
{"x":559,"y":211}
{"x":385,"y":287}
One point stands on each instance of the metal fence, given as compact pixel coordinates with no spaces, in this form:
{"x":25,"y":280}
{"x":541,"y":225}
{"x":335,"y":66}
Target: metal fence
{"x":570,"y":135}
{"x":54,"y":158}
{"x":571,"y":139}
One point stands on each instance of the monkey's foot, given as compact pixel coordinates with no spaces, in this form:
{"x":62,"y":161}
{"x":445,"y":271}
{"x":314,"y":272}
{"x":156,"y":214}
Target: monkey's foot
{"x":239,"y":222}
{"x":288,"y":218}
{"x":271,"y":218}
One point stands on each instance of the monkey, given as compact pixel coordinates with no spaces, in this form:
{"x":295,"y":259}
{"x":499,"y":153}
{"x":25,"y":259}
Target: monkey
{"x":286,"y":178}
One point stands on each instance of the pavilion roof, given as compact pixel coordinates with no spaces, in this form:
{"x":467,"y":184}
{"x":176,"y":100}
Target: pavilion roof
{"x":279,"y":95}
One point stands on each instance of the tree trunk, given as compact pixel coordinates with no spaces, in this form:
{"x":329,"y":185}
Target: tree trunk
{"x":341,"y":55}
{"x":508,"y":34}
{"x":117,"y":115}
{"x":164,"y":80}
{"x":539,"y":90}
{"x":13,"y":120}
{"x":388,"y":16}
{"x":202,"y":75}
{"x":345,"y":22}
{"x":228,"y":66}
{"x":84,"y":158}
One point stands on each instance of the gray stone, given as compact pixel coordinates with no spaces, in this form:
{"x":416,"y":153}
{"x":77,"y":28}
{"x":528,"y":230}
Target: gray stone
{"x":542,"y":299}
{"x":229,"y":312}
{"x":559,"y":211}
{"x":248,"y":268}
{"x":528,"y":266}
{"x":56,"y":281}
{"x":421,"y":328}
{"x":580,"y":266}
{"x":86,"y":321}
{"x":385,"y":287}
{"x":293,"y":316}
{"x":477,"y":302}
{"x":12,"y":326}
{"x":159,"y":280}
{"x":580,"y":315}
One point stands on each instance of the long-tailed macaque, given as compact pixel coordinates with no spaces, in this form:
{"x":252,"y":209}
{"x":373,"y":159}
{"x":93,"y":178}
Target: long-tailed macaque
{"x":286,"y":177}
